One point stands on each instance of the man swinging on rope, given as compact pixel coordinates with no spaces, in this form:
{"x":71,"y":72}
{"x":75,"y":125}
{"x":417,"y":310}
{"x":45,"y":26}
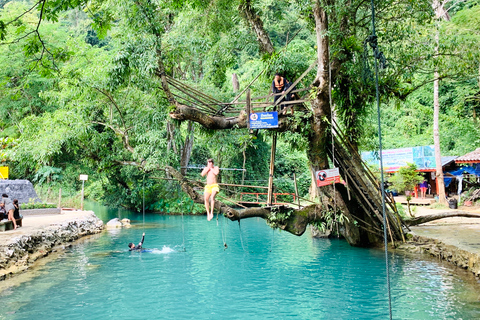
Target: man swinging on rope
{"x":211,"y":189}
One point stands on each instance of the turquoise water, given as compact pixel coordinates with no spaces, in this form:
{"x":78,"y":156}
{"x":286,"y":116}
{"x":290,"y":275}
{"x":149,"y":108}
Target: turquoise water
{"x":261,"y":275}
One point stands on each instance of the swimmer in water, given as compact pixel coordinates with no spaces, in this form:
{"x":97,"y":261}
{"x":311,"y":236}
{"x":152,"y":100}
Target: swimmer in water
{"x":132,"y":246}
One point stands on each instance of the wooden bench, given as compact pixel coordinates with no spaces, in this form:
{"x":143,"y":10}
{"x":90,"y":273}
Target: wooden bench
{"x":8,"y":225}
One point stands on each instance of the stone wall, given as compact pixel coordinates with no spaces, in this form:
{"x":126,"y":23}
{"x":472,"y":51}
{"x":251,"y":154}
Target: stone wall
{"x":19,"y":189}
{"x":459,"y":257}
{"x":23,"y":250}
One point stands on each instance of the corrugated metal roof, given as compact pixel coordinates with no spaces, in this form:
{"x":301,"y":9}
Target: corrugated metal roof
{"x":472,"y":157}
{"x":447,"y":160}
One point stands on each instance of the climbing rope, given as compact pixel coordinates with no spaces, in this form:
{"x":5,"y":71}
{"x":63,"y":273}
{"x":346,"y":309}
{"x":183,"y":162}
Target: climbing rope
{"x":385,"y":240}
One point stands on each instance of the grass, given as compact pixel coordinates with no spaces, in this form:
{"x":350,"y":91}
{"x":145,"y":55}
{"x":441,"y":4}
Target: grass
{"x":437,"y":205}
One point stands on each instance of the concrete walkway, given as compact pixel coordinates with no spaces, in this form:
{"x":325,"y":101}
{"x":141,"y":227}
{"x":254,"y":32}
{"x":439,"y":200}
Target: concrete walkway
{"x":463,"y":233}
{"x":37,"y":222}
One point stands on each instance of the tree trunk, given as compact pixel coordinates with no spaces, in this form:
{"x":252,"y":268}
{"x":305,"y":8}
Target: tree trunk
{"x":431,"y":217}
{"x":187,"y":148}
{"x":235,"y":83}
{"x":436,"y":132}
{"x":253,"y":19}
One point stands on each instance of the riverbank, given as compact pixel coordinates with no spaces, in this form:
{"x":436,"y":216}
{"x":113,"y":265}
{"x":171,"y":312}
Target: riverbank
{"x":456,"y":240}
{"x":42,"y":234}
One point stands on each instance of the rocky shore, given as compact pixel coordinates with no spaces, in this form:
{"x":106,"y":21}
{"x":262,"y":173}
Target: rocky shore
{"x":41,"y":235}
{"x":450,"y":253}
{"x":455,"y":240}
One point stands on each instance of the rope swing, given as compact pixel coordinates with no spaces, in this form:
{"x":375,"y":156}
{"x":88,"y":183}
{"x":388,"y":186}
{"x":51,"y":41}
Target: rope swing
{"x":376,"y":55}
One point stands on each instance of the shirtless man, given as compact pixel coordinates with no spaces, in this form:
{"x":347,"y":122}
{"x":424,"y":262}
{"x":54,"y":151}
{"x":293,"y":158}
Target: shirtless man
{"x":211,"y":189}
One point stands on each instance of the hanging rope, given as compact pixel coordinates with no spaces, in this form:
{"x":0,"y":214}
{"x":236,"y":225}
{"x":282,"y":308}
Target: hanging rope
{"x":241,"y":238}
{"x":224,"y":234}
{"x":273,"y":238}
{"x":373,"y":44}
{"x":143,"y":202}
{"x":333,"y":140}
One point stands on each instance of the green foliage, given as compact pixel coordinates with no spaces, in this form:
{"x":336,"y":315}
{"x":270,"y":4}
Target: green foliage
{"x":406,"y":178}
{"x":33,"y":205}
{"x":47,"y":174}
{"x":82,"y":95}
{"x":329,"y":219}
{"x":277,"y":219}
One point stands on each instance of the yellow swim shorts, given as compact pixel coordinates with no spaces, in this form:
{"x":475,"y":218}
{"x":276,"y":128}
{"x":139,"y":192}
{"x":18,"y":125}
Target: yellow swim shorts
{"x":209,"y":188}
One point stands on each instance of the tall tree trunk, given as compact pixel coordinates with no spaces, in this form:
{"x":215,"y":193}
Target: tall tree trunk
{"x":436,"y":141}
{"x":235,"y":83}
{"x":440,"y":13}
{"x":316,"y":152}
{"x":187,"y":148}
{"x":253,"y":19}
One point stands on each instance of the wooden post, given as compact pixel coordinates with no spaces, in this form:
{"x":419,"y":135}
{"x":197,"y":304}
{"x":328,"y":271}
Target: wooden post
{"x":296,"y":189}
{"x":272,"y":169}
{"x":81,"y":204}
{"x":60,"y":198}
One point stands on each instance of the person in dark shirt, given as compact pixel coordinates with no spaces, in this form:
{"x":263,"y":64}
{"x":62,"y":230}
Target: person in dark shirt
{"x":16,"y":211}
{"x":132,"y":246}
{"x":279,"y":86}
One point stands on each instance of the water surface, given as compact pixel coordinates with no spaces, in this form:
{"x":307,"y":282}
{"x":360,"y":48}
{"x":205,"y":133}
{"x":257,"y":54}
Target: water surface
{"x":263,"y":274}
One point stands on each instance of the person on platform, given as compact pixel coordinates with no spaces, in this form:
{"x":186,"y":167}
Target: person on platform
{"x":279,"y":86}
{"x":132,"y":246}
{"x":211,"y":189}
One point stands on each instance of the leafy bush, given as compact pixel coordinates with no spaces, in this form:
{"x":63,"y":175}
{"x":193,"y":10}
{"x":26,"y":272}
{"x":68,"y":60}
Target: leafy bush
{"x":32,"y":205}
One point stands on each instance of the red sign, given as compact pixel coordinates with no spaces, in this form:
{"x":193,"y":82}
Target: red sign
{"x":327,"y":177}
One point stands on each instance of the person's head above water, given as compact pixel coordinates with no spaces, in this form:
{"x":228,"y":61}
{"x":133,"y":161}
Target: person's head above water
{"x":131,"y":245}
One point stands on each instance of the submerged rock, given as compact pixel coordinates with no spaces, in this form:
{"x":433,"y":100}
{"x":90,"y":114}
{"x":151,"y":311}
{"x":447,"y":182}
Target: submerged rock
{"x":126,"y":223}
{"x":114,"y":223}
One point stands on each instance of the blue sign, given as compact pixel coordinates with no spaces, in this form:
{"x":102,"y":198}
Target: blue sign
{"x":264,"y":120}
{"x":393,"y":159}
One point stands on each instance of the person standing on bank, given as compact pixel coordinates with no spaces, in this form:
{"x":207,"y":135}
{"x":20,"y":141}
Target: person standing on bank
{"x":211,"y":189}
{"x":9,"y":209}
{"x":423,"y":188}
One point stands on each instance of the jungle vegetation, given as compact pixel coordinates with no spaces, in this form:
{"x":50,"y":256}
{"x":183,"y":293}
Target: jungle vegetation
{"x":81,"y":91}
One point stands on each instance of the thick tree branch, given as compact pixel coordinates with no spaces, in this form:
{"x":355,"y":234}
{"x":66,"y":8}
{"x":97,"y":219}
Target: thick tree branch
{"x":123,"y":134}
{"x":253,"y":19}
{"x":184,"y":112}
{"x":432,"y":217}
{"x":288,"y":219}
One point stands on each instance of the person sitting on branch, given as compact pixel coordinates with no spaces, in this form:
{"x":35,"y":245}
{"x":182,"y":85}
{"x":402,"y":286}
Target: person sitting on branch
{"x":211,"y":189}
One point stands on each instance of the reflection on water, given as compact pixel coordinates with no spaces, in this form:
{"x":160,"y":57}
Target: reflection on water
{"x":273,"y":275}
